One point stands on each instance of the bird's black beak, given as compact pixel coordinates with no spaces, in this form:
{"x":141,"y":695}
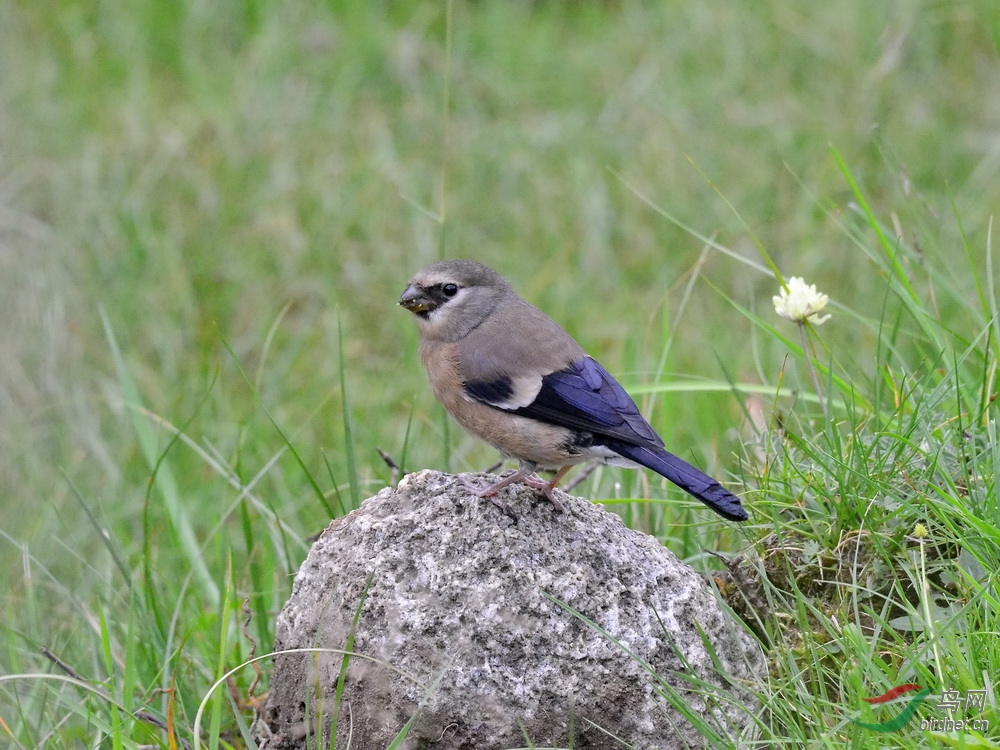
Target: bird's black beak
{"x":415,"y":300}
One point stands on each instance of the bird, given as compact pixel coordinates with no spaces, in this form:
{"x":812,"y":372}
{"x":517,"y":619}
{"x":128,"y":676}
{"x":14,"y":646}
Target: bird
{"x":512,"y":376}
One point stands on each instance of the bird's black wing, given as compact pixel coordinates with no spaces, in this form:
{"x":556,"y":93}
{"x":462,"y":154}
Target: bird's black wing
{"x":583,"y":396}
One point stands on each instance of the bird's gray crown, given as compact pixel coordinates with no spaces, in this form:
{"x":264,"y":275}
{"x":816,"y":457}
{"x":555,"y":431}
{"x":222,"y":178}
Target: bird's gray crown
{"x":465,"y":273}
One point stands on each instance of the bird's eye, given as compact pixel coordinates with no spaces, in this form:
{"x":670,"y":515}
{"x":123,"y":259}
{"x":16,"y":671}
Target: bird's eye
{"x":450,"y":290}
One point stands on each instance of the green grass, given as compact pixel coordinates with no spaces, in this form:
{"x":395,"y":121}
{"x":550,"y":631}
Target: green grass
{"x":207,"y":213}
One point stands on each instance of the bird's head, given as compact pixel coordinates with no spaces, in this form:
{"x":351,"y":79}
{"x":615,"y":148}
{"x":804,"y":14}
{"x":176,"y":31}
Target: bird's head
{"x":453,"y":297}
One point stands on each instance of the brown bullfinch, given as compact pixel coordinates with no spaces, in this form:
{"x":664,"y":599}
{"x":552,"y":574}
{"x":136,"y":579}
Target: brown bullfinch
{"x":512,"y":376}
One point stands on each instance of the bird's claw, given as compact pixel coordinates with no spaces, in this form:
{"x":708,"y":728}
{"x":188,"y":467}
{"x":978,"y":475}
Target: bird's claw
{"x":518,"y":477}
{"x":537,"y":483}
{"x":491,"y":493}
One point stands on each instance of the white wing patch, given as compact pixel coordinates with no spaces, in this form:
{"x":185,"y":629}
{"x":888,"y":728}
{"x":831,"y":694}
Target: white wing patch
{"x":524,"y":390}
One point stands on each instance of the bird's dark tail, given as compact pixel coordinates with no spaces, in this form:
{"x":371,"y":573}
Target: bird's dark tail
{"x":685,"y":476}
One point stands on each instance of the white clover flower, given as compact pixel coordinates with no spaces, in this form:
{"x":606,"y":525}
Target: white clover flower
{"x":800,"y":302}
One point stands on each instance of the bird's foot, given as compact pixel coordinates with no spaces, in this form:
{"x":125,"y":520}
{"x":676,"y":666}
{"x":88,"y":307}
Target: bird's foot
{"x":523,"y":476}
{"x":537,"y":483}
{"x":491,"y":493}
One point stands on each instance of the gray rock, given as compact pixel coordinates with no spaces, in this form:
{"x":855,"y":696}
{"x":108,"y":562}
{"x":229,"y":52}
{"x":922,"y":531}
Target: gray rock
{"x":467,"y":627}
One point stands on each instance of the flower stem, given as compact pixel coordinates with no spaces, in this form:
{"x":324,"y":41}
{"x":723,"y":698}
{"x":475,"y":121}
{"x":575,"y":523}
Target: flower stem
{"x":807,"y":351}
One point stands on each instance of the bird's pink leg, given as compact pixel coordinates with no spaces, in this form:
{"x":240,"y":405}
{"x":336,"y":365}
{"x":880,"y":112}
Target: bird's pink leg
{"x":524,"y":475}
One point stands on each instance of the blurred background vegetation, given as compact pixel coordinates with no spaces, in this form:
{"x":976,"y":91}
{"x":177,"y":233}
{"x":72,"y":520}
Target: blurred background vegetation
{"x":264,"y":177}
